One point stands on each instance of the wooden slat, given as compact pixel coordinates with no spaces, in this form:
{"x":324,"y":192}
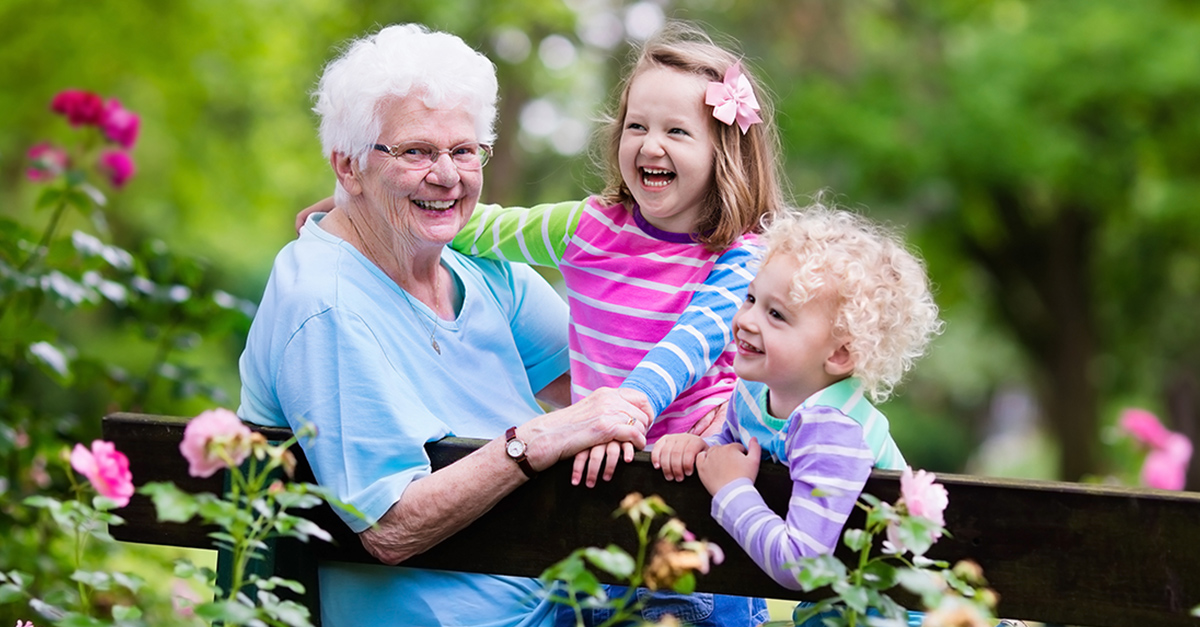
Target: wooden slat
{"x":1056,"y":552}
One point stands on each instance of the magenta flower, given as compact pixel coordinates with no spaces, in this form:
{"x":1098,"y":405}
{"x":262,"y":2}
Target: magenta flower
{"x":117,"y":166}
{"x":211,"y":435}
{"x":1166,"y":464}
{"x":1144,"y":427}
{"x":1165,"y":467}
{"x":119,"y":124}
{"x":81,"y":107}
{"x":106,"y":468}
{"x":49,"y":161}
{"x":24,"y":623}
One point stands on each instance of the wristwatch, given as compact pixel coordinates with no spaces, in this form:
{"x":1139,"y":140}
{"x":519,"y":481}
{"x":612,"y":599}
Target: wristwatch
{"x":516,"y":450}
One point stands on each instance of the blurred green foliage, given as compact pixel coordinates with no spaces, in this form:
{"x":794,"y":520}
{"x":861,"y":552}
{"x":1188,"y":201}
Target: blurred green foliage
{"x":1040,"y":155}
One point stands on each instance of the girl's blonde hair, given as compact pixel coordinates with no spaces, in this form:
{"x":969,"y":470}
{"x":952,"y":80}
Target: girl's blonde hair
{"x":746,"y":181}
{"x":885,"y":308}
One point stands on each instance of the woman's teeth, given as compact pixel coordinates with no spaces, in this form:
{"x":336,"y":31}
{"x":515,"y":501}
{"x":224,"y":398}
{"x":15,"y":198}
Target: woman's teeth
{"x":434,"y":205}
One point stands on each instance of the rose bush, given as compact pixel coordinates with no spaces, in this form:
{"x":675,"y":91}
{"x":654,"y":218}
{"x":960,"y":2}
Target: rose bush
{"x":254,"y":511}
{"x":676,"y":558}
{"x":65,"y":297}
{"x":951,"y":596}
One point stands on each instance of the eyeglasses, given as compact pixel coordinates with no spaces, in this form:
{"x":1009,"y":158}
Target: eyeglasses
{"x":422,"y":155}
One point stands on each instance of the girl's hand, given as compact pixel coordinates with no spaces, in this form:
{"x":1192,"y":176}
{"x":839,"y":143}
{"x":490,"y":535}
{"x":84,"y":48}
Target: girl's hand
{"x":676,"y":455}
{"x":591,"y":460}
{"x":721,"y":464}
{"x":325,"y":205}
{"x":711,"y":423}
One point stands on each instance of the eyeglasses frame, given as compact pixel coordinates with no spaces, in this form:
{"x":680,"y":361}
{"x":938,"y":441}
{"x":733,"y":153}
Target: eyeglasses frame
{"x":485,"y":151}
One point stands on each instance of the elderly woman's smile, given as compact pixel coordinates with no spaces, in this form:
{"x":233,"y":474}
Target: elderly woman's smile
{"x":431,"y":203}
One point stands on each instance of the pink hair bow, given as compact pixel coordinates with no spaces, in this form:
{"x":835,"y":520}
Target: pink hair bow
{"x":733,"y":99}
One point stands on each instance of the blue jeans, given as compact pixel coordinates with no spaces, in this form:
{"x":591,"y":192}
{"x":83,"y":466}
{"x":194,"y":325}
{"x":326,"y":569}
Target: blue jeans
{"x":701,"y":609}
{"x":914,"y":618}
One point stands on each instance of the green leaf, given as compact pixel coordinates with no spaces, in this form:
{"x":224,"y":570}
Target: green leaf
{"x":132,"y":583}
{"x":686,"y":584}
{"x":587,"y":583}
{"x":49,"y":196}
{"x":916,"y":533}
{"x":74,"y":619}
{"x":42,"y":502}
{"x":887,"y":606}
{"x":126,"y":612}
{"x":270,"y":583}
{"x":99,"y":580}
{"x":613,"y":560}
{"x":288,"y":612}
{"x":229,"y":612}
{"x":856,"y":539}
{"x":879,"y":575}
{"x":820,"y":571}
{"x":80,"y":199}
{"x":171,"y":503}
{"x":855,"y":597}
{"x":921,"y":583}
{"x":870,"y":499}
{"x":306,"y":529}
{"x":10,"y":593}
{"x":566,"y":569}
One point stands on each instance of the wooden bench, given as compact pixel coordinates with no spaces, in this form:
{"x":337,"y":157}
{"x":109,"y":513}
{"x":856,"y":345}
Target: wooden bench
{"x":1061,"y":553}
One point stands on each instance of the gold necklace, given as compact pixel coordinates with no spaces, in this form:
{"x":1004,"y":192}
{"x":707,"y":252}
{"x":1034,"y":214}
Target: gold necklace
{"x":437,"y":288}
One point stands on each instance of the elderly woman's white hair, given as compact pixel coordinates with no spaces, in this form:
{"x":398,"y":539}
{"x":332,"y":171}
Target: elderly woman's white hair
{"x":398,"y":61}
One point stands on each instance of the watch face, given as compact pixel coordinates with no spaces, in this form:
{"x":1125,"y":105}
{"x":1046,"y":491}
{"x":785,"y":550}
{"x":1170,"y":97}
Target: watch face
{"x":516,"y":448}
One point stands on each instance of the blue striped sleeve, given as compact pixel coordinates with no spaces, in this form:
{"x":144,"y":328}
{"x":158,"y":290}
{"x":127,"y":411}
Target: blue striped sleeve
{"x":700,"y":334}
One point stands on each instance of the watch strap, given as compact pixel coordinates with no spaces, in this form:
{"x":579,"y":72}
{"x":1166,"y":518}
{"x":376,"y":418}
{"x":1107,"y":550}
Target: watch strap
{"x":522,"y":461}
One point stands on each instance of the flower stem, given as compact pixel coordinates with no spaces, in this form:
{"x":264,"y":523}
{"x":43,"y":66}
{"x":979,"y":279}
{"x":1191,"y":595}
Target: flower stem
{"x":40,"y":250}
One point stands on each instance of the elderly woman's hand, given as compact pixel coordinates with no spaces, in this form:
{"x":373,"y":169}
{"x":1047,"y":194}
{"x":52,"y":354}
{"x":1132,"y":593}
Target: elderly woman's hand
{"x":606,"y":415}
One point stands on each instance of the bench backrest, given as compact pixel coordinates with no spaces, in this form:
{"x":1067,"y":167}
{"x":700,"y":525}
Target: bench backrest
{"x":1055,"y":552}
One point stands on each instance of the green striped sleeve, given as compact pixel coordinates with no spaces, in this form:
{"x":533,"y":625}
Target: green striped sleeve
{"x":536,"y":235}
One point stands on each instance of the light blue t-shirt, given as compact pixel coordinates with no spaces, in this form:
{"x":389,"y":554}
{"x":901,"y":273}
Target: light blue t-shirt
{"x":337,"y":343}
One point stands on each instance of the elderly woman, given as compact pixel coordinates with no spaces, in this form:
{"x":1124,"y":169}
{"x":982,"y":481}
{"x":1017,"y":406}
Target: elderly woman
{"x":386,"y":340}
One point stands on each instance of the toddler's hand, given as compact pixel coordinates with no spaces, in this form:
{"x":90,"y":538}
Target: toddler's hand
{"x":676,"y":455}
{"x":721,"y":464}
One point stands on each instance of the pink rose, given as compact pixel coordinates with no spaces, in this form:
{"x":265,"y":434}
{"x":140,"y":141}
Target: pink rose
{"x":210,"y":434}
{"x":1144,"y":427}
{"x":119,"y":124}
{"x":1165,"y":467}
{"x":106,"y":468}
{"x":49,"y":161}
{"x":183,"y":598}
{"x":80,"y":107}
{"x":922,"y":496}
{"x":117,"y":165}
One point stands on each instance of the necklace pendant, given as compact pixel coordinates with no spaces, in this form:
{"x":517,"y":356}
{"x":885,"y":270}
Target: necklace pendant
{"x":434,"y":344}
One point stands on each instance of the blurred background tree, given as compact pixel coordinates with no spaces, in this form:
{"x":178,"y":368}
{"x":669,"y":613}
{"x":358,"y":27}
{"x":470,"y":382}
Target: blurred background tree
{"x":1040,"y":155}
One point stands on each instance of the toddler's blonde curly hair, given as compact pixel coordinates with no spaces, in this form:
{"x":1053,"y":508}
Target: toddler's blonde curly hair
{"x":885,"y":308}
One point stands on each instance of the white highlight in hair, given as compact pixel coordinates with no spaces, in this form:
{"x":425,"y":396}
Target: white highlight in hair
{"x":399,"y":61}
